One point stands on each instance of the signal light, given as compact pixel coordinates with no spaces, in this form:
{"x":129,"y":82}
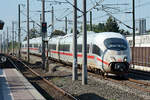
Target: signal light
{"x":1,"y":24}
{"x":44,"y":27}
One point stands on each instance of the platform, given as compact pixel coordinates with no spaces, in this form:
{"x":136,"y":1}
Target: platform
{"x":14,"y":86}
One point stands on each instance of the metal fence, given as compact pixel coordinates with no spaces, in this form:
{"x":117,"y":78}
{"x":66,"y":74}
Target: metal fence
{"x":141,"y":56}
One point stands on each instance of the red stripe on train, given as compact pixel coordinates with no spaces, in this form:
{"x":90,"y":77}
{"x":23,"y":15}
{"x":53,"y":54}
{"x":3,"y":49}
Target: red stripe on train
{"x":70,"y":54}
{"x":102,"y":61}
{"x":31,"y":48}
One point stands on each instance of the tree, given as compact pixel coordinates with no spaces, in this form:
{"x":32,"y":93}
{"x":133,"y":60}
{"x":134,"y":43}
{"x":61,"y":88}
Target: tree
{"x":123,"y":32}
{"x":33,"y":33}
{"x":101,"y":27}
{"x":58,"y":33}
{"x":111,"y":25}
{"x":97,"y":28}
{"x":148,"y":32}
{"x":72,"y":31}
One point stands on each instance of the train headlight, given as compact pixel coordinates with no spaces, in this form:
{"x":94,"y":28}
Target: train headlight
{"x":3,"y":59}
{"x":125,"y":59}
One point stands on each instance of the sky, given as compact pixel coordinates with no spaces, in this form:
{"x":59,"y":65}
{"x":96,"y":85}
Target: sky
{"x":118,"y":8}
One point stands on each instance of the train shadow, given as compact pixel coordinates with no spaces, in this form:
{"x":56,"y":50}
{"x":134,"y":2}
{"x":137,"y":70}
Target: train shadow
{"x":138,"y":77}
{"x":90,"y":96}
{"x":130,"y":75}
{"x":122,"y":78}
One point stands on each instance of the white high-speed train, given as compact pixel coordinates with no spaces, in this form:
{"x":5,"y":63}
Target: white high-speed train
{"x":107,"y":52}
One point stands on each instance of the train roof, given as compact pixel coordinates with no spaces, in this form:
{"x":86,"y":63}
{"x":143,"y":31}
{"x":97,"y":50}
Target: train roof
{"x":91,"y":37}
{"x":37,"y":40}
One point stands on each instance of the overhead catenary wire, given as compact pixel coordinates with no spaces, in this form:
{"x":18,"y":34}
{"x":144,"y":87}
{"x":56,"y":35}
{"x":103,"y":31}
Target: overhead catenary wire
{"x":31,"y":19}
{"x":117,"y":19}
{"x":97,"y":4}
{"x":143,"y":3}
{"x":123,"y":11}
{"x":74,"y":6}
{"x":65,"y":15}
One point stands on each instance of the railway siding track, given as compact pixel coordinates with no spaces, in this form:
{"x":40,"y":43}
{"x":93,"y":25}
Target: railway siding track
{"x":47,"y":88}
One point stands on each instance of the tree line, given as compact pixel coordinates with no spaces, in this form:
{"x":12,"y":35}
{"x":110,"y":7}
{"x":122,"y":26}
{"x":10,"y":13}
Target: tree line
{"x":111,"y":25}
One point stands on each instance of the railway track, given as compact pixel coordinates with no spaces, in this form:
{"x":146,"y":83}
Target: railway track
{"x":130,"y":82}
{"x":136,"y":84}
{"x":46,"y":88}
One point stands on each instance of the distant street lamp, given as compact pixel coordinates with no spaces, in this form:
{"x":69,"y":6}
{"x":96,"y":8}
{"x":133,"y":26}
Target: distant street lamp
{"x":1,"y":24}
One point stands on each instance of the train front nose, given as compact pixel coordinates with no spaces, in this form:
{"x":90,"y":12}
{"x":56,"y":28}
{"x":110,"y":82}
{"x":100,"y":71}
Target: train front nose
{"x":119,"y":66}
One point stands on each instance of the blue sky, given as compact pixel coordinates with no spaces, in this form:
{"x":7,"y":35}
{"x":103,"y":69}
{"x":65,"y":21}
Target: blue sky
{"x":9,"y":12}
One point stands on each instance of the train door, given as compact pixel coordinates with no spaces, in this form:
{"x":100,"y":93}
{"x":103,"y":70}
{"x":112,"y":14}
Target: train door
{"x":57,"y":50}
{"x":91,"y":58}
{"x":40,"y":48}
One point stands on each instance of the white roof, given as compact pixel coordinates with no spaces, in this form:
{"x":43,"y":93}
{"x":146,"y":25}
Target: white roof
{"x":37,"y":40}
{"x":140,"y":40}
{"x":92,"y":37}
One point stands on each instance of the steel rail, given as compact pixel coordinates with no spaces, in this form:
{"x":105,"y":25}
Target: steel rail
{"x":121,"y":82}
{"x":118,"y":81}
{"x":45,"y":80}
{"x":139,"y":82}
{"x":124,"y":83}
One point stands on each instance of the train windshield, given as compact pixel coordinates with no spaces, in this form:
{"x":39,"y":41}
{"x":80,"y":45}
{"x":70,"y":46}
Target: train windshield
{"x":115,"y":44}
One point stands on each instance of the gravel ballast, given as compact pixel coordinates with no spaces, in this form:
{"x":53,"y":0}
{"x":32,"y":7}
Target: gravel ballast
{"x":96,"y":89}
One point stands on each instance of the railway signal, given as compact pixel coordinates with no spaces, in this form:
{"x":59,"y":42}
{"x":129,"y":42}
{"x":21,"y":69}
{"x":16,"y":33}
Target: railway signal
{"x":44,"y":35}
{"x":44,"y":27}
{"x":1,"y":24}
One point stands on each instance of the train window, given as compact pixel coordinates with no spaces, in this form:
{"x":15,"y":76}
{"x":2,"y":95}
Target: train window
{"x":30,"y":45}
{"x":52,"y":46}
{"x":96,"y":50}
{"x":35,"y":45}
{"x":64,"y":47}
{"x":79,"y":48}
{"x":26,"y":45}
{"x":60,"y":48}
{"x":115,"y":44}
{"x":22,"y":46}
{"x":88,"y":47}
